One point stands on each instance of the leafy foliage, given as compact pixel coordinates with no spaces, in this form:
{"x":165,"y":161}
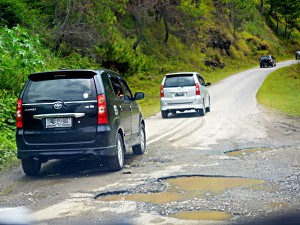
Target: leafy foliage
{"x":12,"y":13}
{"x":20,"y":54}
{"x":7,"y":126}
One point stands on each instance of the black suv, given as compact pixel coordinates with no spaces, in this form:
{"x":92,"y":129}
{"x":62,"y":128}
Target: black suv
{"x":77,"y":113}
{"x":268,"y":60}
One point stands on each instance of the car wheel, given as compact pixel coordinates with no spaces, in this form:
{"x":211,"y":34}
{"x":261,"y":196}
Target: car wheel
{"x":207,"y":109}
{"x":203,"y":110}
{"x":164,"y":114}
{"x":31,"y":166}
{"x":116,"y":163}
{"x":140,"y":148}
{"x":173,"y":112}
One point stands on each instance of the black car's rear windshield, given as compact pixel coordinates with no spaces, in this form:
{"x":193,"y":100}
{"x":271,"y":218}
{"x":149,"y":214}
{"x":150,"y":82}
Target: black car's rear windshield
{"x":179,"y":80}
{"x":63,"y":88}
{"x":265,"y":58}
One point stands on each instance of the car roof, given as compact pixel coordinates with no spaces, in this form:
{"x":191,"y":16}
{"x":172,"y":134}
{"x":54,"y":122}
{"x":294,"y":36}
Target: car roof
{"x":182,"y":73}
{"x":74,"y":71}
{"x":67,"y":71}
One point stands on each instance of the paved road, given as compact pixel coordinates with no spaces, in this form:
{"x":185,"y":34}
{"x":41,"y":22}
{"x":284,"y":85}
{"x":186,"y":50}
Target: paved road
{"x":182,"y":145}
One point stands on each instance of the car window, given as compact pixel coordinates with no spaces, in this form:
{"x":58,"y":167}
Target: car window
{"x":117,"y":87}
{"x":179,"y":80}
{"x":201,"y":80}
{"x":126,"y":89}
{"x":265,"y":57}
{"x":66,"y":89}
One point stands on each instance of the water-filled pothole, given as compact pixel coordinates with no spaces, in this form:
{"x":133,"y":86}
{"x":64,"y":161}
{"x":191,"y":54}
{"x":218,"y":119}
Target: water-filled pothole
{"x":202,"y":215}
{"x":246,"y":151}
{"x":185,"y":188}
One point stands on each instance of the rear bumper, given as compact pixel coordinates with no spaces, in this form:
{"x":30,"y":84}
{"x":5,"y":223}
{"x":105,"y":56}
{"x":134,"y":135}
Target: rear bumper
{"x":67,"y":153}
{"x":104,"y":144}
{"x":197,"y":105}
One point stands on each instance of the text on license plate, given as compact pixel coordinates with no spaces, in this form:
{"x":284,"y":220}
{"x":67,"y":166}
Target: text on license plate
{"x":179,"y":94}
{"x":58,"y":122}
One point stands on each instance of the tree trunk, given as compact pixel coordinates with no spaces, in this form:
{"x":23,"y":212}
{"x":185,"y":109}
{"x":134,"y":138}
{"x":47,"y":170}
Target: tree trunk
{"x":261,"y":6}
{"x":285,"y":29}
{"x":139,"y":32}
{"x":64,"y":25}
{"x":166,"y":28}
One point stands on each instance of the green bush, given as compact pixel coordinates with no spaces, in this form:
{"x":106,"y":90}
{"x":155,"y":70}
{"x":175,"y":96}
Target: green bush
{"x":7,"y":127}
{"x":20,"y":54}
{"x":12,"y":13}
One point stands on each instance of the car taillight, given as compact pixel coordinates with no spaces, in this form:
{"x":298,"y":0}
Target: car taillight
{"x":162,"y":94}
{"x":19,"y":117}
{"x":102,"y":110}
{"x":197,"y":89}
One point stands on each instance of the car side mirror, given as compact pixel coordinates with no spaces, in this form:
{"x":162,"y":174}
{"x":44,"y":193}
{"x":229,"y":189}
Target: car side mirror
{"x":207,"y":84}
{"x":139,"y":95}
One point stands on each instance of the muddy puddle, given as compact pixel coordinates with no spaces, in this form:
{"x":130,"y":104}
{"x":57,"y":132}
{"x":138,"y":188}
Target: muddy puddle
{"x":187,"y":188}
{"x":180,"y":189}
{"x":203,"y":215}
{"x":247,"y":152}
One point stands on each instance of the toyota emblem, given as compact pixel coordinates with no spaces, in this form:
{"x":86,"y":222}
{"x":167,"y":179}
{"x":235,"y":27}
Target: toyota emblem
{"x":57,"y":105}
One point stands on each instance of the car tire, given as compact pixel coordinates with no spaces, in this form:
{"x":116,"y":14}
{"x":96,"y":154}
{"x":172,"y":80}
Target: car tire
{"x":207,"y":109}
{"x":173,"y":112}
{"x":140,"y":148}
{"x":201,"y":112}
{"x":164,"y":114}
{"x":116,"y":163}
{"x":31,"y":166}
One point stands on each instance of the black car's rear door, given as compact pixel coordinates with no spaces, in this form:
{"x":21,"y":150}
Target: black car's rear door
{"x":60,"y":108}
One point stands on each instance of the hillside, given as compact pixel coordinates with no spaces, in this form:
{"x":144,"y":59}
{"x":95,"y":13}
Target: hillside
{"x":142,"y":40}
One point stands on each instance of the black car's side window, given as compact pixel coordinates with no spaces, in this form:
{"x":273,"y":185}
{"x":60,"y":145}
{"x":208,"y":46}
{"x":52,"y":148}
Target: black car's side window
{"x":117,"y":87}
{"x":126,"y":89}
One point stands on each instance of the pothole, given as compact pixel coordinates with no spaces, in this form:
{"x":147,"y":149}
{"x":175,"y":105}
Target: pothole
{"x":181,"y":189}
{"x":173,"y":196}
{"x":278,"y":205}
{"x":237,"y":153}
{"x":202,"y":215}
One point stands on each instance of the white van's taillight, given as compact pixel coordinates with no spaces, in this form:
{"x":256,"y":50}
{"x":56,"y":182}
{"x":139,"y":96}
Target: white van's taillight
{"x":197,"y":89}
{"x":102,"y":110}
{"x":19,"y":117}
{"x":162,"y":94}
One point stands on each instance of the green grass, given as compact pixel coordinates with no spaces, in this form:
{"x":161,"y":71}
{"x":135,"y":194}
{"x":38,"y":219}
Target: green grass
{"x":281,"y":91}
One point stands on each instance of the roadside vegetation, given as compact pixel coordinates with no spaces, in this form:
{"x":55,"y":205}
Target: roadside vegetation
{"x":281,"y":90}
{"x":142,"y":40}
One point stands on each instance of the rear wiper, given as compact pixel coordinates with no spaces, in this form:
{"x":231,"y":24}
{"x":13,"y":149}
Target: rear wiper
{"x":52,"y":100}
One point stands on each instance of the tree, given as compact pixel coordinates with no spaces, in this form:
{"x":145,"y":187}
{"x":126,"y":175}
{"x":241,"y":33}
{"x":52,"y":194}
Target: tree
{"x":286,"y":10}
{"x":12,"y":13}
{"x":240,"y":11}
{"x":290,"y":11}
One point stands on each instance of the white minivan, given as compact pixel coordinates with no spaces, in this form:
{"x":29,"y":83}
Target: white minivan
{"x":184,"y":91}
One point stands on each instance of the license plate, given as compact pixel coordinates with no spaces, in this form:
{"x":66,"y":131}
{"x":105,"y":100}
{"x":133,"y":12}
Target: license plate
{"x":179,"y":94}
{"x":58,"y":122}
